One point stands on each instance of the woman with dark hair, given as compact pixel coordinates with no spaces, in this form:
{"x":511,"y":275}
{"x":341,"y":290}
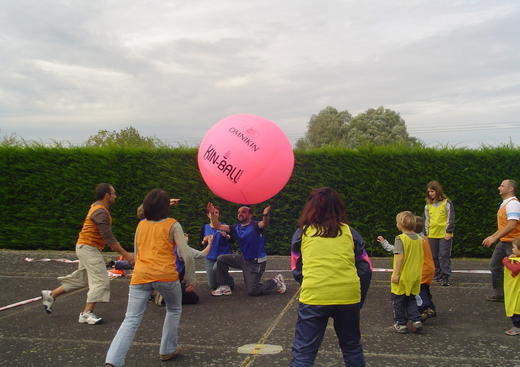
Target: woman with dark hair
{"x":156,"y":238}
{"x":439,"y":218}
{"x":335,"y":275}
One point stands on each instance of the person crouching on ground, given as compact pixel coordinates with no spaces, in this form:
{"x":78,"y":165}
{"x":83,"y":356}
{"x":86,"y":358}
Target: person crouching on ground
{"x":249,"y":235}
{"x":406,"y":274}
{"x":330,"y":283}
{"x":156,"y":237}
{"x":512,"y":287}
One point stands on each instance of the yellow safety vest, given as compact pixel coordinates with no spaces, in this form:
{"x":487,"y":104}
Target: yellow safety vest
{"x":411,"y":270}
{"x":329,"y":269}
{"x":511,"y":290}
{"x":438,"y":219}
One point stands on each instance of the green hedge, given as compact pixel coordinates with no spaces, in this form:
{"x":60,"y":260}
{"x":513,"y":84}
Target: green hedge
{"x":46,"y":191}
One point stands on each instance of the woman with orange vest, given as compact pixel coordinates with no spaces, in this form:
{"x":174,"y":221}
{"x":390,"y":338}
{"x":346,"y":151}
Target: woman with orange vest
{"x":439,"y":222}
{"x":156,"y":239}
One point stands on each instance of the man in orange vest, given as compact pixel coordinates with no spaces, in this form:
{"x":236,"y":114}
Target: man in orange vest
{"x":94,"y":236}
{"x":508,"y":220}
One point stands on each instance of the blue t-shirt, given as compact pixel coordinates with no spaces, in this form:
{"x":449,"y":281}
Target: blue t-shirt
{"x":250,"y":239}
{"x":220,"y":245}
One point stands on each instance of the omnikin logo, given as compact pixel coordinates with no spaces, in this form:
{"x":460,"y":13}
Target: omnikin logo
{"x":232,"y":172}
{"x":245,"y":138}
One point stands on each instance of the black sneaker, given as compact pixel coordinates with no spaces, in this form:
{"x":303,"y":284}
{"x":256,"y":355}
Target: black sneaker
{"x":445,"y":282}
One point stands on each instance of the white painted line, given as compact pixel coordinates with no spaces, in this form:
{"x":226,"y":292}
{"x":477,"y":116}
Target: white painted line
{"x":20,"y":303}
{"x":378,"y":270}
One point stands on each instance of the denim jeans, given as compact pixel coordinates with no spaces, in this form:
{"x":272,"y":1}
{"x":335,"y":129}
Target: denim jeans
{"x":211,"y":271}
{"x":310,"y":328}
{"x":405,"y":308}
{"x":426,"y":297}
{"x":137,"y":300}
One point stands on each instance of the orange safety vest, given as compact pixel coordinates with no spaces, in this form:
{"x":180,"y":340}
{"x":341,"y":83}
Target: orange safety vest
{"x":155,"y":256}
{"x":89,"y":234}
{"x":502,"y":221}
{"x":428,"y":269}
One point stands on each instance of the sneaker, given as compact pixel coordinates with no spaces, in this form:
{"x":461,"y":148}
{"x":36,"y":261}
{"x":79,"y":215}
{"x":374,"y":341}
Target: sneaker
{"x":223,"y":290}
{"x":445,"y":282}
{"x":47,"y":301}
{"x":428,"y":313}
{"x":495,"y":298}
{"x":280,"y":284}
{"x":167,"y":357}
{"x":513,"y":331}
{"x":89,"y":318}
{"x":401,"y":329}
{"x":415,"y":326}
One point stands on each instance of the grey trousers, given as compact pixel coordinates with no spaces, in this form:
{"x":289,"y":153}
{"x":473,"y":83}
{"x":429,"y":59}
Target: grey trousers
{"x":211,"y":271}
{"x":502,"y":249}
{"x":441,"y":253}
{"x":252,"y":271}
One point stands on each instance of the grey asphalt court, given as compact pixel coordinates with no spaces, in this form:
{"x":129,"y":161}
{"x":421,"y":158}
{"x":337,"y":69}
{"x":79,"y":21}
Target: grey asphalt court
{"x":246,"y":331}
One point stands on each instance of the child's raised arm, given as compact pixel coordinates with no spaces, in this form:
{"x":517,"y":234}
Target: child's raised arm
{"x":385,"y":244}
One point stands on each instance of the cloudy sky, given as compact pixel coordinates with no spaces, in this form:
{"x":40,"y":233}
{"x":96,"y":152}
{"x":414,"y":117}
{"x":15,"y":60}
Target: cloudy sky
{"x":174,"y":68}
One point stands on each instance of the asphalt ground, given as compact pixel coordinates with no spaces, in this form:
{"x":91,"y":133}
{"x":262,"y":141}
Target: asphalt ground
{"x":246,"y":331}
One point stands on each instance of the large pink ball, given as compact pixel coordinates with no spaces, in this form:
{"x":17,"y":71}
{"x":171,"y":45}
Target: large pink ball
{"x":245,"y":159}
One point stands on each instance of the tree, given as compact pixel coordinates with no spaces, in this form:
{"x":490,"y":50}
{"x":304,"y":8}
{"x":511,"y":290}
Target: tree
{"x":128,"y":137}
{"x":379,"y":126}
{"x":327,"y":128}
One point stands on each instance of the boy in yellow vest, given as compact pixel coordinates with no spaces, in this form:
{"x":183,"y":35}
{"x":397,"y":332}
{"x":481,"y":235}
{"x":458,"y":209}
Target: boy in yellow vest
{"x":406,"y":275}
{"x":512,"y":287}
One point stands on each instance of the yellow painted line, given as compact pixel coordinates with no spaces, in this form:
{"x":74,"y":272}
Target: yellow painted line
{"x":259,"y":344}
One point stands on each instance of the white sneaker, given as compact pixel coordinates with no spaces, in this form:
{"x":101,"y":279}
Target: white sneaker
{"x":278,"y":279}
{"x":47,"y":301}
{"x":223,"y":290}
{"x":89,"y":318}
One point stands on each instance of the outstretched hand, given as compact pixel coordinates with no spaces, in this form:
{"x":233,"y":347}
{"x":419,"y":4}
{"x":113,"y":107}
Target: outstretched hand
{"x":380,"y":239}
{"x":267,"y":210}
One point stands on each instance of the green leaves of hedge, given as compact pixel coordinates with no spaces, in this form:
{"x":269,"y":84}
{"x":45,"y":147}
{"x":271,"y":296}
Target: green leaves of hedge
{"x":46,"y":191}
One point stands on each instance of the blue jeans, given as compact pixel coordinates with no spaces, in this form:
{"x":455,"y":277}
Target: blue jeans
{"x":137,"y":300}
{"x":310,"y":328}
{"x":211,"y":271}
{"x":405,"y":308}
{"x":426,"y":297}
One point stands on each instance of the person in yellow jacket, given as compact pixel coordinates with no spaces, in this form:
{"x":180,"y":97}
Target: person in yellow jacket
{"x":94,"y":236}
{"x":439,"y":222}
{"x":333,"y":271}
{"x":406,"y":274}
{"x":512,"y":287}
